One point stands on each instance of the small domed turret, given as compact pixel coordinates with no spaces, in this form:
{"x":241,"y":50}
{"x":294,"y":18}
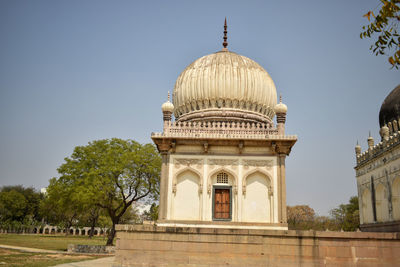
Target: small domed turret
{"x":370,"y":141}
{"x":167,"y":109}
{"x":280,"y":108}
{"x":167,"y":106}
{"x":384,"y":132}
{"x":280,"y":111}
{"x":358,"y":149}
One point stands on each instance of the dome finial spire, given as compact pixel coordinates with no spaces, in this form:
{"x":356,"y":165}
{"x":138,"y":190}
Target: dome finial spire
{"x":225,"y":43}
{"x":168,"y":95}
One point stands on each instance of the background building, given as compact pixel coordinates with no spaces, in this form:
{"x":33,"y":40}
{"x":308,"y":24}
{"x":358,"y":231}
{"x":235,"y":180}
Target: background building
{"x":378,"y":172}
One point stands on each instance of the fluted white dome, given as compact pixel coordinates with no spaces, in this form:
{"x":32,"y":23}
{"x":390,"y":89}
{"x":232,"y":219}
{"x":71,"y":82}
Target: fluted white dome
{"x":224,"y":86}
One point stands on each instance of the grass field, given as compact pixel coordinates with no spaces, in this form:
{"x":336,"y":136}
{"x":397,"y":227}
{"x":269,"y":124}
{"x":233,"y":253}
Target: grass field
{"x":17,"y":258}
{"x":52,"y":242}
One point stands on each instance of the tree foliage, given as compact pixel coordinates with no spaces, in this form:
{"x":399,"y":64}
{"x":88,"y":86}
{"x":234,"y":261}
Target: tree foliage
{"x":19,"y":206}
{"x":386,"y":26}
{"x":152,"y":213}
{"x":300,"y":217}
{"x":63,"y":205}
{"x":345,"y":217}
{"x":112,"y":174}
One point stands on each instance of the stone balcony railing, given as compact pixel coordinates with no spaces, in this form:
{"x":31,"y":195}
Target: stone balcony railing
{"x":221,"y":130}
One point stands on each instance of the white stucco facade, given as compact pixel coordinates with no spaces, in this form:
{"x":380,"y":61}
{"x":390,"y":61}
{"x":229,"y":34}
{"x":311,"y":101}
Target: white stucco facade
{"x":253,"y":181}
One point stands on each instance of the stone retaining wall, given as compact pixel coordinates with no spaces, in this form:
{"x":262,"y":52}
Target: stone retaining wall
{"x":146,"y":245}
{"x":91,"y":249}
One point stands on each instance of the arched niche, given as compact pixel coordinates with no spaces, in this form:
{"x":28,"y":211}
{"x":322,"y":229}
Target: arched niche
{"x":367,"y":206}
{"x":257,"y":202}
{"x":396,"y":199}
{"x":382,"y":207}
{"x":186,"y":200}
{"x":266,"y":174}
{"x":212,"y":179}
{"x":187,"y":169}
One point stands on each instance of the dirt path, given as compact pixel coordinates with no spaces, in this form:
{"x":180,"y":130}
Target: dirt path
{"x":36,"y":250}
{"x":103,"y":262}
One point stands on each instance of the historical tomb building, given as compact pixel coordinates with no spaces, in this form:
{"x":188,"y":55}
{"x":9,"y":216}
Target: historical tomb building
{"x":224,"y":167}
{"x":378,"y":172}
{"x":223,"y":156}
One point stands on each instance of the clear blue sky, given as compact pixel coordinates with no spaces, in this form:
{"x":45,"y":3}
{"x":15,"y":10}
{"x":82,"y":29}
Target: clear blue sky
{"x":76,"y":71}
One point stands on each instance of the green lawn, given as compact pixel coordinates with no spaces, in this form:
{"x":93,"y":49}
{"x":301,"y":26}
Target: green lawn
{"x":27,"y":259}
{"x":52,"y":242}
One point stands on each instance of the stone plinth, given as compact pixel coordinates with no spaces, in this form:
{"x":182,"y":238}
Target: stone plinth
{"x":146,"y":245}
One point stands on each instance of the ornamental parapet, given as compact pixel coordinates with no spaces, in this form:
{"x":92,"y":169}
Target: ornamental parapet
{"x":375,"y":151}
{"x":221,"y":130}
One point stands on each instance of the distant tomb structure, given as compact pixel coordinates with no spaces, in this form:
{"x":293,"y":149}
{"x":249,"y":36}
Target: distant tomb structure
{"x":378,"y":172}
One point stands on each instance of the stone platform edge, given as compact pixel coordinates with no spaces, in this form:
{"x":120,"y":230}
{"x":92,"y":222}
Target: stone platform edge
{"x":253,"y":232}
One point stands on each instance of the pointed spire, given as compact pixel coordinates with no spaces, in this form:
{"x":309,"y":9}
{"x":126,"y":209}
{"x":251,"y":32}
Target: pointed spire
{"x":225,"y":43}
{"x":168,"y":96}
{"x":280,"y":98}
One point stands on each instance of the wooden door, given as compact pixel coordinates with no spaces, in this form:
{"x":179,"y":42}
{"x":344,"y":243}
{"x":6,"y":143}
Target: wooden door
{"x":222,"y":204}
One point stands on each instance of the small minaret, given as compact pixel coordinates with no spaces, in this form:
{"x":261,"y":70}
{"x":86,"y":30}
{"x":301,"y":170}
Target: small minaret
{"x":167,"y":110}
{"x":358,"y":150}
{"x":384,"y":133}
{"x":280,"y":111}
{"x":370,"y":141}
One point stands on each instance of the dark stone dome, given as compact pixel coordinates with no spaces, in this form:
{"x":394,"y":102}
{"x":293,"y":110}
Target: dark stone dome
{"x":390,"y":109}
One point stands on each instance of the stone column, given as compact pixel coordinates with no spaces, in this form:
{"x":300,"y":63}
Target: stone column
{"x":240,"y":191}
{"x":282,"y":216}
{"x":205,"y":195}
{"x":163,"y":186}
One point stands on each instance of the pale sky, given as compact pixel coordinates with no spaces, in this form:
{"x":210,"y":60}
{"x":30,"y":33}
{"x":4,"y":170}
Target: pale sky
{"x":77,"y":71}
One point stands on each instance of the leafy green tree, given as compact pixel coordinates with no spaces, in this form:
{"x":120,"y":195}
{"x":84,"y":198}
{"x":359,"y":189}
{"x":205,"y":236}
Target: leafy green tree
{"x":62,"y":204}
{"x":13,"y":205}
{"x":347,"y":215}
{"x":19,"y":206}
{"x":112,"y":174}
{"x":385,"y":25}
{"x":152,"y":214}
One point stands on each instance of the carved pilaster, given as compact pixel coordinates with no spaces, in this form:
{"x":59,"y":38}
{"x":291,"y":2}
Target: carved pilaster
{"x":282,"y":216}
{"x":164,"y":185}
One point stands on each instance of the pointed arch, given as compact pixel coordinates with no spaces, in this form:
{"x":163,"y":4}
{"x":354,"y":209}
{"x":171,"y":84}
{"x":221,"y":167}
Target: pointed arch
{"x":367,"y":206}
{"x":382,"y":205}
{"x":258,"y":201}
{"x":222,"y":169}
{"x":396,"y":198}
{"x":263,"y":172}
{"x":187,"y":169}
{"x":186,"y":199}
